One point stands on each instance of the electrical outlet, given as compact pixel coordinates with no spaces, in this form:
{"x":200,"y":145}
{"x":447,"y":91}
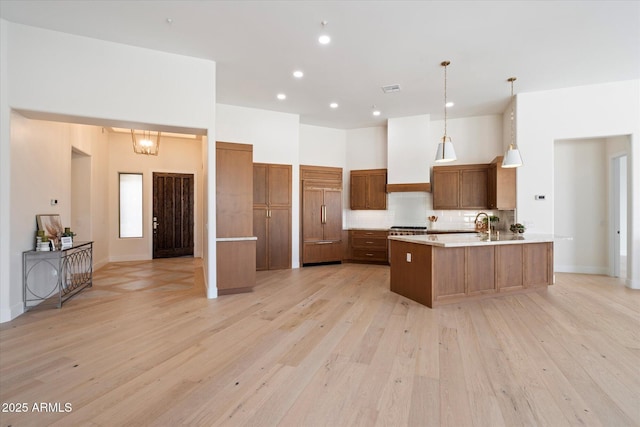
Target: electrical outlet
{"x":540,"y":197}
{"x":408,"y":256}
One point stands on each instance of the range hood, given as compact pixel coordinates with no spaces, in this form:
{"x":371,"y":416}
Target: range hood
{"x":408,"y":154}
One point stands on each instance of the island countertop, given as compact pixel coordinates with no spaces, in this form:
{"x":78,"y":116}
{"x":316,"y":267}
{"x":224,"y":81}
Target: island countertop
{"x":478,"y":239}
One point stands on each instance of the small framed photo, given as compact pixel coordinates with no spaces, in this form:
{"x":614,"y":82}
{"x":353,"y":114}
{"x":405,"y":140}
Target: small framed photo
{"x":66,"y":242}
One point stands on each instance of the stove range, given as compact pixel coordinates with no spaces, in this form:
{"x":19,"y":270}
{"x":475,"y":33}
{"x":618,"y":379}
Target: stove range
{"x":407,"y":230}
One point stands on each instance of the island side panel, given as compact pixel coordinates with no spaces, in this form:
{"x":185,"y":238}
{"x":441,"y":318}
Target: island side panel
{"x":448,"y":273}
{"x":412,"y":279}
{"x":538,"y":264}
{"x":509,"y":262}
{"x":481,"y":270}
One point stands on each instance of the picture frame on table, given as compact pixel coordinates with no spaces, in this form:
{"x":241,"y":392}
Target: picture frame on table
{"x":51,"y":224}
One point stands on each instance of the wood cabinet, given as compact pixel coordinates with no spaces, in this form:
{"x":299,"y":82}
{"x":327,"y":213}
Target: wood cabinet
{"x":501,"y":186}
{"x":460,"y":187}
{"x":435,"y":275}
{"x":368,"y":246}
{"x":474,"y":186}
{"x":272,"y":215}
{"x":368,"y":189}
{"x":235,"y":245}
{"x":321,"y":214}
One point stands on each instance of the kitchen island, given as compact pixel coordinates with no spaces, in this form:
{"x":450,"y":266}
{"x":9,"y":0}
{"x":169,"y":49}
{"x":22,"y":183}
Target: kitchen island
{"x":448,"y":268}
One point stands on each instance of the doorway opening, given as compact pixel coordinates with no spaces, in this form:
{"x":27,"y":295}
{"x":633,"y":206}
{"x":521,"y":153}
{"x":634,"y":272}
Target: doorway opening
{"x":619,"y":215}
{"x":591,"y":194}
{"x":80,"y":220}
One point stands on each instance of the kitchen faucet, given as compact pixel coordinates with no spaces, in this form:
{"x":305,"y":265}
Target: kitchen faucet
{"x":488,"y":223}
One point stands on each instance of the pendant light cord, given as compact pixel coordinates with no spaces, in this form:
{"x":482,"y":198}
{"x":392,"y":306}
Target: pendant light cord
{"x":445,"y":64}
{"x":513,"y":140}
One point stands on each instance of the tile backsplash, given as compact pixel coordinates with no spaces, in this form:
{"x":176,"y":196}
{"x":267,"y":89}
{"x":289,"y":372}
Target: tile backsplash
{"x":413,"y":209}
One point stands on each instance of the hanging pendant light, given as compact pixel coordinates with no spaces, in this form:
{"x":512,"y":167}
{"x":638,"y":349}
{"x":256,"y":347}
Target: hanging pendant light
{"x":446,"y":152}
{"x":144,"y":144}
{"x":512,"y":158}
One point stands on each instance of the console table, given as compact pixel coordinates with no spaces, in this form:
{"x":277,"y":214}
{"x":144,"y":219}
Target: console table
{"x":56,"y":275}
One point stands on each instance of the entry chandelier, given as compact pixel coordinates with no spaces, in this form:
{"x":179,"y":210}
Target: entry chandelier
{"x":445,"y":152}
{"x":143,"y":142}
{"x":512,"y":157}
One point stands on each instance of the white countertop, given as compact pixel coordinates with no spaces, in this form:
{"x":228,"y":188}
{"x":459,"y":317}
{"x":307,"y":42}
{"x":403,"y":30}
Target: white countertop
{"x":479,"y":239}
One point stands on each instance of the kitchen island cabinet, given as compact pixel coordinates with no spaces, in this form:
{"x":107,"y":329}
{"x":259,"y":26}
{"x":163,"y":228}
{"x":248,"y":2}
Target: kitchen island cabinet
{"x":443,"y":269}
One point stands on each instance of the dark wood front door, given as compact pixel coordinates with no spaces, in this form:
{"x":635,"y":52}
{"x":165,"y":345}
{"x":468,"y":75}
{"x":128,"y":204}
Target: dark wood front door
{"x":172,"y":215}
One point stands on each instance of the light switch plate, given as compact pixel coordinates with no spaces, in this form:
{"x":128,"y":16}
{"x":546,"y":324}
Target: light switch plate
{"x":408,"y":256}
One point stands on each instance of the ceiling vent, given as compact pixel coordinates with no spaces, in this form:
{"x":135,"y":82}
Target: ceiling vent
{"x":391,"y":88}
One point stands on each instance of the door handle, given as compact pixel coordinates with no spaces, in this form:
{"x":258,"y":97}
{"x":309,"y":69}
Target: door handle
{"x":324,"y":214}
{"x":155,"y":223}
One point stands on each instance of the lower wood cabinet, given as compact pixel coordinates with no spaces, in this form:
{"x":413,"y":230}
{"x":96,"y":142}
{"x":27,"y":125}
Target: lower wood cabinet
{"x":433,"y":275}
{"x":272,"y":227}
{"x":236,"y":266}
{"x":368,"y":246}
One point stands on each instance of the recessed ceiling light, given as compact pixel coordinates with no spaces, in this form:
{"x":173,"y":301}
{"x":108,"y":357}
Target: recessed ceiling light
{"x":376,"y":112}
{"x":449,"y":104}
{"x":298,"y":74}
{"x":333,"y":105}
{"x":281,"y":96}
{"x":169,"y":21}
{"x":324,"y":39}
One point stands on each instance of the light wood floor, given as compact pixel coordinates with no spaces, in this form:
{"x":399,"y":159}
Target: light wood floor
{"x":325,"y":345}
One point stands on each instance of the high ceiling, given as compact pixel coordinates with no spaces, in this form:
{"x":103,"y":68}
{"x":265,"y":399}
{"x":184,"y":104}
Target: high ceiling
{"x":258,"y":44}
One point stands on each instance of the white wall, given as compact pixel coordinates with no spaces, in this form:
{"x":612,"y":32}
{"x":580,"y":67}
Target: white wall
{"x":366,"y":148}
{"x":477,"y":139}
{"x":580,"y":208}
{"x":41,"y":153}
{"x":581,"y":112}
{"x":410,"y":150}
{"x":275,"y":138}
{"x":177,"y":155}
{"x":320,"y":146}
{"x":82,"y":80}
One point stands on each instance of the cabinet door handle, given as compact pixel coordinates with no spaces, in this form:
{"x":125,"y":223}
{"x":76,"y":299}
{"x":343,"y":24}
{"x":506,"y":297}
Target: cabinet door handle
{"x":369,"y":243}
{"x":324,"y":214}
{"x":369,"y":254}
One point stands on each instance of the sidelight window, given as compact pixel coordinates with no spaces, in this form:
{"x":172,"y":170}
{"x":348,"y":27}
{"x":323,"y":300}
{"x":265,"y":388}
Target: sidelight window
{"x":130,"y":185}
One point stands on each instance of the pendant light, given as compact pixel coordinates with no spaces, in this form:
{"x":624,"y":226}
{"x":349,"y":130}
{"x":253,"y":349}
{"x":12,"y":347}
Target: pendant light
{"x":512,"y":157}
{"x":445,"y":152}
{"x":144,"y":144}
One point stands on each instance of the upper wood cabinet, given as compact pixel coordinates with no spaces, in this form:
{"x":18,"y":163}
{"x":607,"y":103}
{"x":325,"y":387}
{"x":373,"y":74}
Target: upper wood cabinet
{"x":501,"y":186}
{"x":234,"y":189}
{"x":368,"y":189}
{"x":460,"y":187}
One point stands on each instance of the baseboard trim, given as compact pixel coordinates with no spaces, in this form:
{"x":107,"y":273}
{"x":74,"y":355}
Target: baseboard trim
{"x":11,"y":312}
{"x":580,"y":269}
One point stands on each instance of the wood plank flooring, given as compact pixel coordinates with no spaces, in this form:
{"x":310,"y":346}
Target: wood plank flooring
{"x":326,"y":345}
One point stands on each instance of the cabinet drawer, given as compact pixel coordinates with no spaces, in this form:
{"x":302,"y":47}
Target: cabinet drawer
{"x":369,"y":233}
{"x":370,"y":254}
{"x":369,"y":242}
